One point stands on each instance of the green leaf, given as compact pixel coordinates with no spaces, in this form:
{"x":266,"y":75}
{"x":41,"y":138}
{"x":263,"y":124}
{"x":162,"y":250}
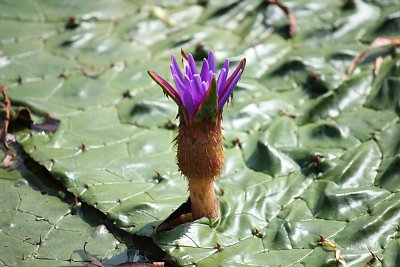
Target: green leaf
{"x":309,"y":152}
{"x":38,"y":228}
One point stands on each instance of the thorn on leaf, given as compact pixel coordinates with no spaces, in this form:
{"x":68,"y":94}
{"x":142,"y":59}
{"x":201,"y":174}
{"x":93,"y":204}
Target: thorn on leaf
{"x":373,"y":136}
{"x":62,"y":75}
{"x":237,"y":142}
{"x":127,"y":94}
{"x":314,"y":77}
{"x":317,"y":159}
{"x":158,"y":177}
{"x":72,"y":23}
{"x":170,"y":125}
{"x":82,"y":147}
{"x":70,"y":258}
{"x":369,"y":210}
{"x":39,"y":243}
{"x":256,"y":232}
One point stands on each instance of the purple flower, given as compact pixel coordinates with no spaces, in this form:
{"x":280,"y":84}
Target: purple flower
{"x":201,"y":94}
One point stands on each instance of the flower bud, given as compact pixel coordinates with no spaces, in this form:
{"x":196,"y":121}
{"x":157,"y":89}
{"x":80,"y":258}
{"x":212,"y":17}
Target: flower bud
{"x":200,"y":154}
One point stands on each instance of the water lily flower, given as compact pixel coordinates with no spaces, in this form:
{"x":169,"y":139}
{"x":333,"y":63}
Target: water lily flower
{"x":200,"y":96}
{"x":196,"y":88}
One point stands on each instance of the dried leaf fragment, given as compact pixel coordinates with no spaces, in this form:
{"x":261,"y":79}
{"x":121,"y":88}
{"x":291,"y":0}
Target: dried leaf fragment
{"x":292,"y":20}
{"x":339,"y":258}
{"x":162,"y":15}
{"x":5,"y":120}
{"x":376,"y":44}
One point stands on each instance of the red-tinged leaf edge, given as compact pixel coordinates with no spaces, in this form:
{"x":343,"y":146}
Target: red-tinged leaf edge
{"x":378,"y":43}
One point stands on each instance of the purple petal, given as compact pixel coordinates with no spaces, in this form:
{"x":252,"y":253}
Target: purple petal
{"x":204,"y":85}
{"x":211,"y":61}
{"x":191,"y":87}
{"x":192,"y":65}
{"x":229,"y":90}
{"x":204,"y":70}
{"x":210,"y":76}
{"x":189,"y":105}
{"x":186,"y":96}
{"x":226,"y":65}
{"x":173,"y":72}
{"x":198,"y":88}
{"x":189,"y":72}
{"x":240,"y":67}
{"x":221,"y":81}
{"x":179,"y":84}
{"x":176,"y":68}
{"x":187,"y":82}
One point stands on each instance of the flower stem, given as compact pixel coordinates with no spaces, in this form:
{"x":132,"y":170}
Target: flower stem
{"x":202,"y":198}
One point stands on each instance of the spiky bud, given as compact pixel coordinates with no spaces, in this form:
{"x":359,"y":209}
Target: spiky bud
{"x":200,"y":97}
{"x":200,"y":153}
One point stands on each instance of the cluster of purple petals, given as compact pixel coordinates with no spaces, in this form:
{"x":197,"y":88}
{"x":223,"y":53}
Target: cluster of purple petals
{"x":193,"y":86}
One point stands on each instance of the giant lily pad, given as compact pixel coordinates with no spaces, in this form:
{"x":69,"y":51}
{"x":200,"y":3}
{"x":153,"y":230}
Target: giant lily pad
{"x":311,"y":173}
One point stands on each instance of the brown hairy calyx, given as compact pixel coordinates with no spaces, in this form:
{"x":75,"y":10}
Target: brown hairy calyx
{"x":200,"y":158}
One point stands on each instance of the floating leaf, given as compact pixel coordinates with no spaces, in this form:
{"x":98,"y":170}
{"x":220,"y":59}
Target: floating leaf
{"x":308,"y":152}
